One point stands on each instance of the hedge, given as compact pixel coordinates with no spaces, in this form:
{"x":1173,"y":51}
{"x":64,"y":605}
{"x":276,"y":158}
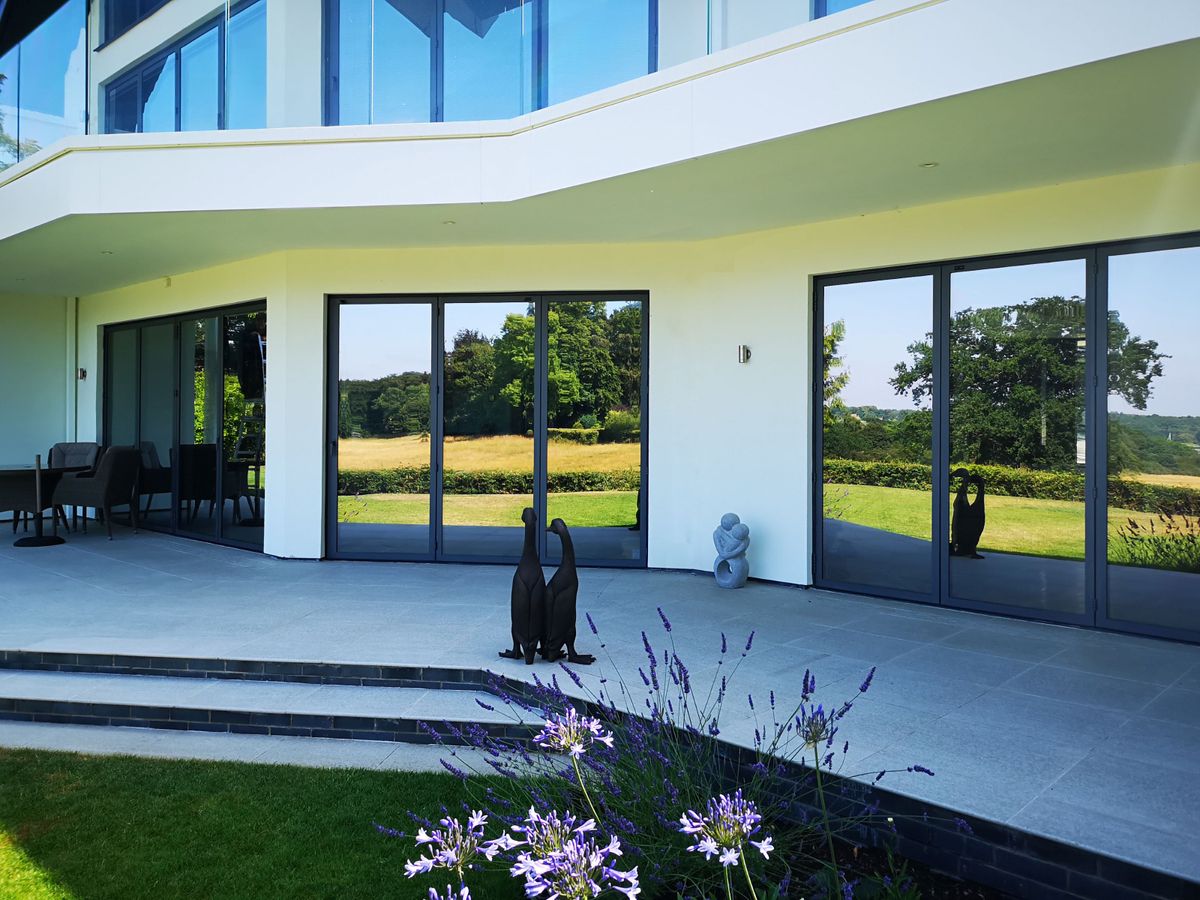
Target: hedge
{"x":1007,"y":481}
{"x":574,"y":435}
{"x":415,"y":480}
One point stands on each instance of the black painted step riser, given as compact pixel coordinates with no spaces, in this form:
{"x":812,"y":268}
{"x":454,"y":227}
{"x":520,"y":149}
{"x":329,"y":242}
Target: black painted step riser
{"x":361,"y":728}
{"x":352,"y":674}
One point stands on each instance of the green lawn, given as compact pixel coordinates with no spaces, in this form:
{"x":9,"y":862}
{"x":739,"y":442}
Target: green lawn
{"x":116,"y":827}
{"x":589,"y":509}
{"x":1014,"y":524}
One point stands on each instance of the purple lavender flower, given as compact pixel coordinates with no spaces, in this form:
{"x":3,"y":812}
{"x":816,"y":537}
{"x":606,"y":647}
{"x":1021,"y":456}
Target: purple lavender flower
{"x":591,"y":624}
{"x":455,"y":847}
{"x":867,"y":681}
{"x":728,"y":824}
{"x":572,"y":734}
{"x":564,"y":860}
{"x":666,"y":622}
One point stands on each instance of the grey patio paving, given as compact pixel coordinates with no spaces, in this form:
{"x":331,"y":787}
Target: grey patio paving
{"x":1086,"y":737}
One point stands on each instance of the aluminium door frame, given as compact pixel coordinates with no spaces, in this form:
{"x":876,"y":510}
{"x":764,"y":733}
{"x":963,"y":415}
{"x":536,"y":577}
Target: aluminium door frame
{"x":541,"y":302}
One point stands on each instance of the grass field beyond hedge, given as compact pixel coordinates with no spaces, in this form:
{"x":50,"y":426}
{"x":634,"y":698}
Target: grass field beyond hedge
{"x":116,"y":827}
{"x":1014,"y":524}
{"x":593,"y":509}
{"x":505,"y":452}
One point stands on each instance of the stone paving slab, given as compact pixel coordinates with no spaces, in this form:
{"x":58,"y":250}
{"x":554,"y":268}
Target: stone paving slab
{"x":1009,"y":713}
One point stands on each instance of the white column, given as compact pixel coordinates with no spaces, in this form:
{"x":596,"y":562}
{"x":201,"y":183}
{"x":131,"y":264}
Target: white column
{"x":295,"y":401}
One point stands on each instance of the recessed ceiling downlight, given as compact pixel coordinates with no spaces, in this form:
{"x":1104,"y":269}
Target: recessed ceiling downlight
{"x":927,"y":165}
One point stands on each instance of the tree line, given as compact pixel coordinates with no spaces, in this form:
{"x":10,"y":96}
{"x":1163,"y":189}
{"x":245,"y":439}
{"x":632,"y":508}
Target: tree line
{"x":594,"y":370}
{"x":1016,"y":395}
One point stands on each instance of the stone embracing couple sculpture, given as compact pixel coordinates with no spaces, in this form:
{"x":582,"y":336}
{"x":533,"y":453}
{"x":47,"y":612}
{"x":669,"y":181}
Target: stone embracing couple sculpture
{"x":732,"y":540}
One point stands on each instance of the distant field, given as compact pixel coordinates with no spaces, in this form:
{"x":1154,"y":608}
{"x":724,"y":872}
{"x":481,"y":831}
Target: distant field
{"x":1187,"y":481}
{"x":1014,"y":524}
{"x":594,"y":509}
{"x":509,"y":452}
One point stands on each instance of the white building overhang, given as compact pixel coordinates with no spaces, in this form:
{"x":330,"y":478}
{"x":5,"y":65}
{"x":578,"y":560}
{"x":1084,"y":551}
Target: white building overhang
{"x":828,"y":120}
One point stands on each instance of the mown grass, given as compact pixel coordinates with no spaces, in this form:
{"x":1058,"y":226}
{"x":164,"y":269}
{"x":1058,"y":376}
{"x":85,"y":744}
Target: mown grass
{"x":506,"y":452}
{"x":75,"y":826}
{"x":594,"y":509}
{"x":1014,"y":524}
{"x":1184,"y":481}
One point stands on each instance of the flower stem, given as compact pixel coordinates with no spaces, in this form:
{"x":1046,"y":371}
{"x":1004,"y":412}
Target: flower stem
{"x":583,"y":787}
{"x":746,"y":869}
{"x":824,"y":808}
{"x":728,"y":885}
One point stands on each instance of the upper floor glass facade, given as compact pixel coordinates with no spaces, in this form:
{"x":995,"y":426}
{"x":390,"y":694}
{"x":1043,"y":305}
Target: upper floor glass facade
{"x":216,"y":77}
{"x":455,"y":60}
{"x":118,"y":16}
{"x":43,"y":85}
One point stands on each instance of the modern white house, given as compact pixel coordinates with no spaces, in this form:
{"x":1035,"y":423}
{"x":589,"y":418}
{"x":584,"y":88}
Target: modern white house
{"x":911,"y":287}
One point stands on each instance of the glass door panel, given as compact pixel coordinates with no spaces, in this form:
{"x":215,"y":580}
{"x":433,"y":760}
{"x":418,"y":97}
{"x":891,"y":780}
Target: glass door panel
{"x":243,"y":431}
{"x":1017,"y":355}
{"x":1154,"y":438}
{"x":594,"y":427}
{"x":121,"y":407}
{"x":384,"y":449}
{"x":488,"y":420}
{"x":877,"y":435}
{"x":195,"y":456}
{"x":157,"y":424}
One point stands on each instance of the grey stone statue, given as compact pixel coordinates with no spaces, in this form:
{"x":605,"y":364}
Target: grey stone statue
{"x":732,"y":539}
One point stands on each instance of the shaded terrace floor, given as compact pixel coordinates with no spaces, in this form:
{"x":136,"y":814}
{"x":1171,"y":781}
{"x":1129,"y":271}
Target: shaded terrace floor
{"x":1086,"y":737}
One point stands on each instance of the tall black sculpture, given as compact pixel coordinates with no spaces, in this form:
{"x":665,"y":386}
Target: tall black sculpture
{"x":562,"y":595}
{"x":966,"y":526}
{"x":528,"y":597}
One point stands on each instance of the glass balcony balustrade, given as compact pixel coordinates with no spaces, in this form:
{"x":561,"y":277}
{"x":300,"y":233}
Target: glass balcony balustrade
{"x":459,"y":60}
{"x":43,"y":85}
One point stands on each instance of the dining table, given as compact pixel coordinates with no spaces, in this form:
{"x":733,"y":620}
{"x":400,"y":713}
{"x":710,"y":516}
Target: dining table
{"x":25,"y":487}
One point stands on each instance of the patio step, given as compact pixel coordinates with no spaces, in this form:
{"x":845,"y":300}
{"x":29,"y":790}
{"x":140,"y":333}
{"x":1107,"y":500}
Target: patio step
{"x":282,"y":708}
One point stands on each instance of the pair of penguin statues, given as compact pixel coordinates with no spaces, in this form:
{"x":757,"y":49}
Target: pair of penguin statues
{"x":544,"y":614}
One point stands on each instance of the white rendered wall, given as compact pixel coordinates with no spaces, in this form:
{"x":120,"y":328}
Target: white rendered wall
{"x":717,"y":439}
{"x":36,"y":372}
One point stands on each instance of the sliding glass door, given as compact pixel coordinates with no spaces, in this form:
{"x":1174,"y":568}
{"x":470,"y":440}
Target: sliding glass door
{"x":1016,"y":435}
{"x":189,"y":393}
{"x":453,"y":414}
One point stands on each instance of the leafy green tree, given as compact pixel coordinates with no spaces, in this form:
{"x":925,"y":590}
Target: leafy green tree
{"x":473,"y":404}
{"x":580,"y":344}
{"x":835,"y":379}
{"x":404,"y":409}
{"x":1017,"y":380}
{"x":625,"y":342}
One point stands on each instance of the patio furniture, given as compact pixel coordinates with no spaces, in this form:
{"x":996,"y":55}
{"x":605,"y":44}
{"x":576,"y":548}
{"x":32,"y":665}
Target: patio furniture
{"x":155,"y":478}
{"x":112,"y":484}
{"x":28,"y":489}
{"x":73,"y":455}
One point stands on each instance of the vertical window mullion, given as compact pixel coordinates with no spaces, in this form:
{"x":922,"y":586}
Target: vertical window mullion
{"x":221,"y":118}
{"x":438,"y":81}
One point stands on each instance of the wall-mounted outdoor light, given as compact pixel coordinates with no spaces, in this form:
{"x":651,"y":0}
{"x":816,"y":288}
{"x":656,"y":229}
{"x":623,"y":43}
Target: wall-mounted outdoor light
{"x":743,"y":353}
{"x":83,"y":374}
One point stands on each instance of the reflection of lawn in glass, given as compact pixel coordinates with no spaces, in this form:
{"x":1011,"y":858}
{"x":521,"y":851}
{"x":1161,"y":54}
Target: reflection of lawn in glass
{"x":1014,"y":524}
{"x":596,"y":509}
{"x":506,"y":452}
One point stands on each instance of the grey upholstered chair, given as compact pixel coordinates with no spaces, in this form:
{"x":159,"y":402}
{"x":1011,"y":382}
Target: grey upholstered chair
{"x":72,"y":455}
{"x":113,"y":484}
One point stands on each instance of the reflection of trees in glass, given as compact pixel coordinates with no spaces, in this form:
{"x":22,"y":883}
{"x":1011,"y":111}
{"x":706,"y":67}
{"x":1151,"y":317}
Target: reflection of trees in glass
{"x":234,"y":410}
{"x":835,"y":333}
{"x":1017,"y":376}
{"x":593,"y":371}
{"x":12,"y":150}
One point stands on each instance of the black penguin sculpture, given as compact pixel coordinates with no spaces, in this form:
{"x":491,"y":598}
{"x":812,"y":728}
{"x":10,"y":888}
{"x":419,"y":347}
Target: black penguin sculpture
{"x":562,"y":594}
{"x":528,"y":597}
{"x":966,"y":527}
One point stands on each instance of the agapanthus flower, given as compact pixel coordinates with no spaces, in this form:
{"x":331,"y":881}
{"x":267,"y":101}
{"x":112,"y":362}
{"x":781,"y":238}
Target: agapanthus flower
{"x":728,"y":824}
{"x":580,"y":869}
{"x":455,"y":847}
{"x":572,"y":734}
{"x":463,"y":893}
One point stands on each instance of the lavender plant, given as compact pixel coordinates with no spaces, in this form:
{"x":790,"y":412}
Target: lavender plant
{"x":643,"y":760}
